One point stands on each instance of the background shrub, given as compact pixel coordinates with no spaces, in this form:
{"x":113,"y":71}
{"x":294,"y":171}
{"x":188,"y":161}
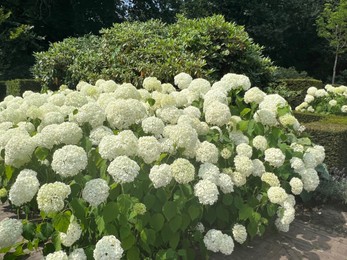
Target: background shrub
{"x":129,"y":52}
{"x":16,"y":87}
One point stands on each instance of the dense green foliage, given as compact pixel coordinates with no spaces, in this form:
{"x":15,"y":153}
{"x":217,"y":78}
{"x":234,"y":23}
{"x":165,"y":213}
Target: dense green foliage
{"x":17,"y":87}
{"x":208,"y":47}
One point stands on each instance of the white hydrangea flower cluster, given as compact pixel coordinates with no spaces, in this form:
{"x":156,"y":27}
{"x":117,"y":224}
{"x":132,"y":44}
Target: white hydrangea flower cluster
{"x":160,"y":175}
{"x":69,"y":160}
{"x":216,"y":241}
{"x":277,"y":195}
{"x":182,"y":171}
{"x":206,"y":191}
{"x":78,"y":254}
{"x":72,"y":234}
{"x":10,"y":232}
{"x":108,"y":247}
{"x":207,"y":152}
{"x":51,"y":196}
{"x":123,"y":169}
{"x":58,"y":255}
{"x":275,"y":157}
{"x":24,"y":188}
{"x":271,"y":179}
{"x":95,"y":191}
{"x":239,"y":233}
{"x":149,"y":149}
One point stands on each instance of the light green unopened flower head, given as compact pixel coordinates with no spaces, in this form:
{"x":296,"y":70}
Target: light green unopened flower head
{"x":3,"y":192}
{"x":139,"y":208}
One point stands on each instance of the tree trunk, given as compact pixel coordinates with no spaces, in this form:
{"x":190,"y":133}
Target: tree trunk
{"x":334,"y":69}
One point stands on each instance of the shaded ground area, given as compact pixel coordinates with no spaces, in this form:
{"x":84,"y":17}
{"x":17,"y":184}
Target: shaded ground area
{"x":316,"y":233}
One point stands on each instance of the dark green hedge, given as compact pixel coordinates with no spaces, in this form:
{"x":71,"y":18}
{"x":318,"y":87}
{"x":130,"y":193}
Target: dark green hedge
{"x":17,"y":87}
{"x":2,"y":89}
{"x":129,"y":52}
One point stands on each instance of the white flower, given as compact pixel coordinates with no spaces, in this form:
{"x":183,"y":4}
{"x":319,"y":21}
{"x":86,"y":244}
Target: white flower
{"x":216,"y":241}
{"x":236,"y":81}
{"x":123,"y":113}
{"x":182,"y":136}
{"x":153,"y":125}
{"x":95,"y":192}
{"x":333,"y":102}
{"x":259,"y":142}
{"x":58,"y":255}
{"x":239,"y":233}
{"x":225,"y":183}
{"x":206,"y":191}
{"x":310,"y":179}
{"x":75,"y":99}
{"x":258,"y":168}
{"x":10,"y":232}
{"x":225,"y":153}
{"x":192,"y":111}
{"x":108,"y":247}
{"x":160,"y":175}
{"x":200,"y":227}
{"x":243,"y":165}
{"x":289,"y":120}
{"x":244,"y":149}
{"x":209,"y":171}
{"x":271,"y":179}
{"x":18,"y":150}
{"x":123,"y":169}
{"x":167,"y":88}
{"x":344,"y":109}
{"x":50,"y":197}
{"x":277,"y":195}
{"x":281,"y":227}
{"x":321,"y":93}
{"x":91,"y":113}
{"x":182,"y":171}
{"x":310,"y":109}
{"x":151,"y":84}
{"x":272,"y":102}
{"x":199,"y":87}
{"x":107,"y":86}
{"x":98,"y":133}
{"x":182,"y":80}
{"x":125,"y":143}
{"x":215,"y":95}
{"x":72,"y":234}
{"x":297,"y":164}
{"x":296,"y":185}
{"x":169,"y":114}
{"x":309,"y":98}
{"x":266,"y":117}
{"x":254,"y":95}
{"x":312,"y":91}
{"x":238,"y":179}
{"x":297,"y":147}
{"x":217,"y":113}
{"x":149,"y":149}
{"x":24,"y":188}
{"x":127,"y":91}
{"x":207,"y":152}
{"x":238,"y":137}
{"x":78,"y":254}
{"x":275,"y":157}
{"x":52,"y":118}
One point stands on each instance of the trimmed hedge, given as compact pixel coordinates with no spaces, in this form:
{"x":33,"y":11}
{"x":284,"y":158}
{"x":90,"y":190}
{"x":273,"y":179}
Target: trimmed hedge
{"x":331,"y":132}
{"x":2,"y":89}
{"x":128,"y":52}
{"x":17,"y":87}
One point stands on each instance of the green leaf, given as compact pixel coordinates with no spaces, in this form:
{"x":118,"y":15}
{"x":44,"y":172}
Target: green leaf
{"x":9,"y":172}
{"x":133,"y":253}
{"x":175,"y":223}
{"x":157,"y":221}
{"x":124,"y":203}
{"x":166,"y":233}
{"x":222,"y":213}
{"x":243,"y":125}
{"x":194,"y":211}
{"x":56,"y":241}
{"x":227,"y":199}
{"x":41,"y":153}
{"x":61,"y":221}
{"x":110,"y":212}
{"x":169,"y":210}
{"x":100,"y":223}
{"x":185,"y":221}
{"x":29,"y":231}
{"x":252,"y":228}
{"x":78,"y":208}
{"x":148,"y":236}
{"x":174,"y":240}
{"x":128,"y":242}
{"x":271,"y":209}
{"x":150,"y":101}
{"x":46,"y":229}
{"x":245,"y":212}
{"x":149,"y":201}
{"x":238,"y":201}
{"x":245,"y":111}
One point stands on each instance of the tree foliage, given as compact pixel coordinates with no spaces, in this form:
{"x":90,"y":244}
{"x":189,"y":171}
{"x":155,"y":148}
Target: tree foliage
{"x":332,"y":25}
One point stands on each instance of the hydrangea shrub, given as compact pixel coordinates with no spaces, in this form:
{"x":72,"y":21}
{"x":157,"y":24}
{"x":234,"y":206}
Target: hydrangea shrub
{"x":330,"y":100}
{"x":112,"y":171}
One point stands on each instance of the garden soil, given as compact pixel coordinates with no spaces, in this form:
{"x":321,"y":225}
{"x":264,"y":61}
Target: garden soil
{"x":316,"y":233}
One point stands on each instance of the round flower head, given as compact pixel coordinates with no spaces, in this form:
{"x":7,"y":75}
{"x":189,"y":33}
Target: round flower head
{"x":206,"y":191}
{"x":139,"y":208}
{"x":217,"y":114}
{"x":277,"y":195}
{"x":58,"y":255}
{"x":75,"y":99}
{"x":127,"y":91}
{"x":78,"y":254}
{"x":321,"y":93}
{"x":182,"y":135}
{"x":10,"y":232}
{"x":209,"y":171}
{"x":160,"y":175}
{"x":215,"y":95}
{"x":225,"y":183}
{"x":309,"y":98}
{"x":271,"y":179}
{"x":236,"y":81}
{"x":98,"y":133}
{"x":311,"y":91}
{"x":72,"y":234}
{"x":239,"y":233}
{"x":182,"y":171}
{"x":207,"y":152}
{"x":254,"y":95}
{"x":266,"y":117}
{"x":123,"y":113}
{"x":167,"y":88}
{"x":238,"y":179}
{"x":153,"y":125}
{"x":192,"y":111}
{"x":50,"y":197}
{"x":281,"y":227}
{"x":149,"y":149}
{"x":297,"y":164}
{"x":95,"y":192}
{"x":169,"y":114}
{"x":216,"y":241}
{"x":123,"y":169}
{"x":69,"y":160}
{"x":108,"y":247}
{"x":152,"y":84}
{"x":182,"y":80}
{"x":238,"y":137}
{"x":199,"y":87}
{"x":125,"y":143}
{"x":225,"y":153}
{"x":18,"y":150}
{"x":258,"y":168}
{"x":244,"y":149}
{"x":243,"y":165}
{"x":275,"y":157}
{"x":90,"y":113}
{"x":25,"y":187}
{"x":344,"y":109}
{"x":107,"y":86}
{"x":272,"y":102}
{"x":310,"y":179}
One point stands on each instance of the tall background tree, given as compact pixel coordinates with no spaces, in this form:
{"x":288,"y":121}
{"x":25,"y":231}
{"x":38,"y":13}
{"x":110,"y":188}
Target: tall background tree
{"x":332,"y":25}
